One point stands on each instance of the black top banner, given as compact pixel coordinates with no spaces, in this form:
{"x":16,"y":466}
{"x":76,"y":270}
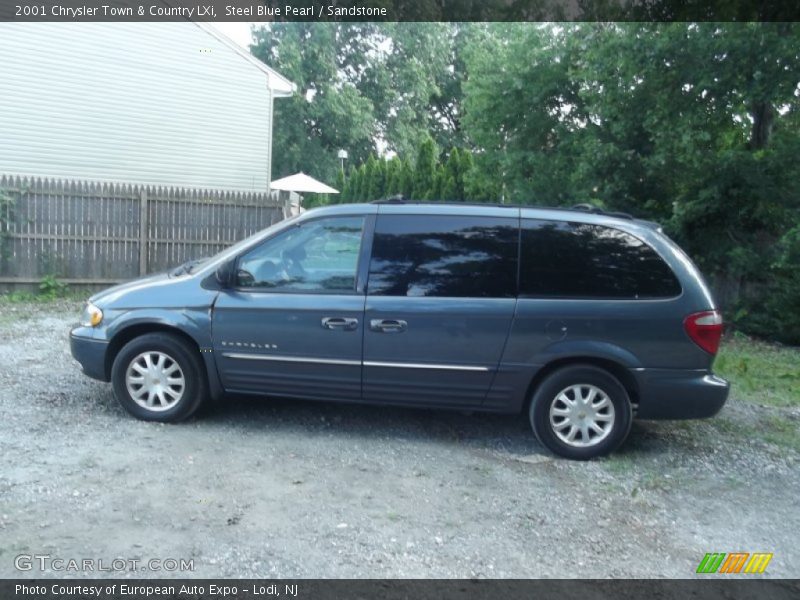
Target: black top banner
{"x":400,"y":10}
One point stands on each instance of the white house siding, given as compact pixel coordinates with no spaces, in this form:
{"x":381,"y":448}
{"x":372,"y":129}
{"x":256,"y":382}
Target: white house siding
{"x":152,"y":103}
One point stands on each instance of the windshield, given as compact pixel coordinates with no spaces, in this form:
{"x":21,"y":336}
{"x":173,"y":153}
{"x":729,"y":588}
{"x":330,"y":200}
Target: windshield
{"x":242,"y":244}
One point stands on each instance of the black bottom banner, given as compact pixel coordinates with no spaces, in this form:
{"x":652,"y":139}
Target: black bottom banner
{"x":398,"y":589}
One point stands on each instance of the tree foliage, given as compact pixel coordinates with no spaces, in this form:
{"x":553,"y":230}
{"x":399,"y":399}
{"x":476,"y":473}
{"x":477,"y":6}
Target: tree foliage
{"x":432,"y":177}
{"x":361,"y":87}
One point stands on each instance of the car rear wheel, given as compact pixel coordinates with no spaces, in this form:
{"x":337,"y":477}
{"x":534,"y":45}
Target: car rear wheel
{"x":159,"y":377}
{"x":581,"y":412}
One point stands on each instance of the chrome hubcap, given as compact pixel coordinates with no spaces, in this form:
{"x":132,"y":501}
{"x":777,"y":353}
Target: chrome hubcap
{"x":155,"y":381}
{"x":582,"y":415}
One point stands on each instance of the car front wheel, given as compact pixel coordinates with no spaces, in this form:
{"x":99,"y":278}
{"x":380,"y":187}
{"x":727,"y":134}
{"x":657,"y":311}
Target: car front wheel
{"x":581,"y":412}
{"x":159,"y":377}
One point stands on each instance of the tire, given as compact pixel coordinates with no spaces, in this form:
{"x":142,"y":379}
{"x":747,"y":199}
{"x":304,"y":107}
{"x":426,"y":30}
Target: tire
{"x":558,"y":407}
{"x":159,"y":377}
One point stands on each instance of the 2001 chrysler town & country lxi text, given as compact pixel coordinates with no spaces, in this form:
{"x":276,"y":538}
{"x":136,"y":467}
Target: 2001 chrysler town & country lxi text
{"x":581,"y":319}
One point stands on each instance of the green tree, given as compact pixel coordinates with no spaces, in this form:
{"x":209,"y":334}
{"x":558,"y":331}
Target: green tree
{"x":779,"y":319}
{"x":457,"y":167}
{"x":358,"y":83}
{"x":362,"y":183}
{"x":377,"y":178}
{"x":312,"y":200}
{"x":340,"y":185}
{"x":437,"y":187}
{"x":328,"y":112}
{"x":355,"y":185}
{"x":394,"y":182}
{"x":521,"y":107}
{"x":415,"y":83}
{"x":465,"y":171}
{"x":370,"y":177}
{"x":449,"y":190}
{"x":348,"y":194}
{"x":425,"y":170}
{"x":407,"y":179}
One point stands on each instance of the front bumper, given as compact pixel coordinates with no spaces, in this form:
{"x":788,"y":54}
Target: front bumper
{"x":679,"y":394}
{"x":90,"y":353}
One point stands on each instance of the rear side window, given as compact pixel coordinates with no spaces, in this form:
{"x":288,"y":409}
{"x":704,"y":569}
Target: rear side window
{"x":579,"y":260}
{"x":462,"y":257}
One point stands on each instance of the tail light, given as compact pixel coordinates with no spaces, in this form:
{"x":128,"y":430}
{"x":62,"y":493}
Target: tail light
{"x":705,"y":329}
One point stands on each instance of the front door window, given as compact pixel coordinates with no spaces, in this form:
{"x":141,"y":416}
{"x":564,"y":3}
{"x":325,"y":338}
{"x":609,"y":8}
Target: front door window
{"x":316,"y":257}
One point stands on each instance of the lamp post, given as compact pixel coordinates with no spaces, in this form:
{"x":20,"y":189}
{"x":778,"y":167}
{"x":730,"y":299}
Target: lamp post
{"x":342,"y":156}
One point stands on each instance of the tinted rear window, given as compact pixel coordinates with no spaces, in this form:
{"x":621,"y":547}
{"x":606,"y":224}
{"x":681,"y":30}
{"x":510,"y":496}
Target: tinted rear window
{"x":579,"y":260}
{"x":467,"y":257}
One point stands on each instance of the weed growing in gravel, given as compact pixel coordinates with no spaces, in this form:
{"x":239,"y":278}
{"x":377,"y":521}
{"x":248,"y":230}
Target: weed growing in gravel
{"x":51,"y":288}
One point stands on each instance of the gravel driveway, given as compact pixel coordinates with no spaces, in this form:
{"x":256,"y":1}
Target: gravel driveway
{"x":279,"y":488}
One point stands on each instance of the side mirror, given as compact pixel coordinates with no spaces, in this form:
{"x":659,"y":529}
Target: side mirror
{"x":244,"y":278}
{"x":224,"y":274}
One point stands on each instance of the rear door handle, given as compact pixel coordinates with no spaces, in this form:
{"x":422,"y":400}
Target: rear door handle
{"x":388,"y":325}
{"x":343,"y":323}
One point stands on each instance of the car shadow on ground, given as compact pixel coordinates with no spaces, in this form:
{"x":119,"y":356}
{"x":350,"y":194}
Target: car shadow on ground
{"x":366,"y":421}
{"x":506,"y":433}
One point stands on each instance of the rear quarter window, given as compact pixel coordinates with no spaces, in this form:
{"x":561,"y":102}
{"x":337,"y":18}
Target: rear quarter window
{"x":561,"y":259}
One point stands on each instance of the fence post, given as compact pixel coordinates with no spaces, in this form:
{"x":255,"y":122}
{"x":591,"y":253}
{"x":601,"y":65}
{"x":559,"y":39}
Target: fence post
{"x":143,"y":214}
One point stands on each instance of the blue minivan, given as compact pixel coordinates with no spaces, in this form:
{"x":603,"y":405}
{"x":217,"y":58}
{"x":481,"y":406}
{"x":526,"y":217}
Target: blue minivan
{"x":578,"y":318}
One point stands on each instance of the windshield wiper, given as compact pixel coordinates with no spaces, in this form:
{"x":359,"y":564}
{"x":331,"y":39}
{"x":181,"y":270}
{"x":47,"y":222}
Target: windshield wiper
{"x":186,"y":268}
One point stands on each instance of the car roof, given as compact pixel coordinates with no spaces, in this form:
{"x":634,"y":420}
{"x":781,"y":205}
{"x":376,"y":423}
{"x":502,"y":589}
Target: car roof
{"x":580,"y":213}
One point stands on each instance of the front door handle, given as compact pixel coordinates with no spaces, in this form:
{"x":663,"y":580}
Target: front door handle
{"x":343,"y":323}
{"x":388,"y":325}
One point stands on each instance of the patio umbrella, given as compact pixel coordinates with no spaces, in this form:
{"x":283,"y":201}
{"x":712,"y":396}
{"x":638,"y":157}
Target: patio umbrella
{"x":302,"y":183}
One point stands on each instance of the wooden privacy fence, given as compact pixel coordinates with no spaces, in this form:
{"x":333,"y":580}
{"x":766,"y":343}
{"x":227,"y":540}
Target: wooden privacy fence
{"x":98,"y":233}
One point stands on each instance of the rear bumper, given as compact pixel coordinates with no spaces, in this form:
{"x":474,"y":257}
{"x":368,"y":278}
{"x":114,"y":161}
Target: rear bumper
{"x":91,"y":354}
{"x":679,"y":394}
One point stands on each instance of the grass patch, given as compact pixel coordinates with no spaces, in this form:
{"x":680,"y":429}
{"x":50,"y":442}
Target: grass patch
{"x":620,"y":464}
{"x":654,"y":482}
{"x":18,"y":307}
{"x":44,"y":300}
{"x":782,"y":432}
{"x":776,"y":429}
{"x":761,"y":373}
{"x":736,"y":428}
